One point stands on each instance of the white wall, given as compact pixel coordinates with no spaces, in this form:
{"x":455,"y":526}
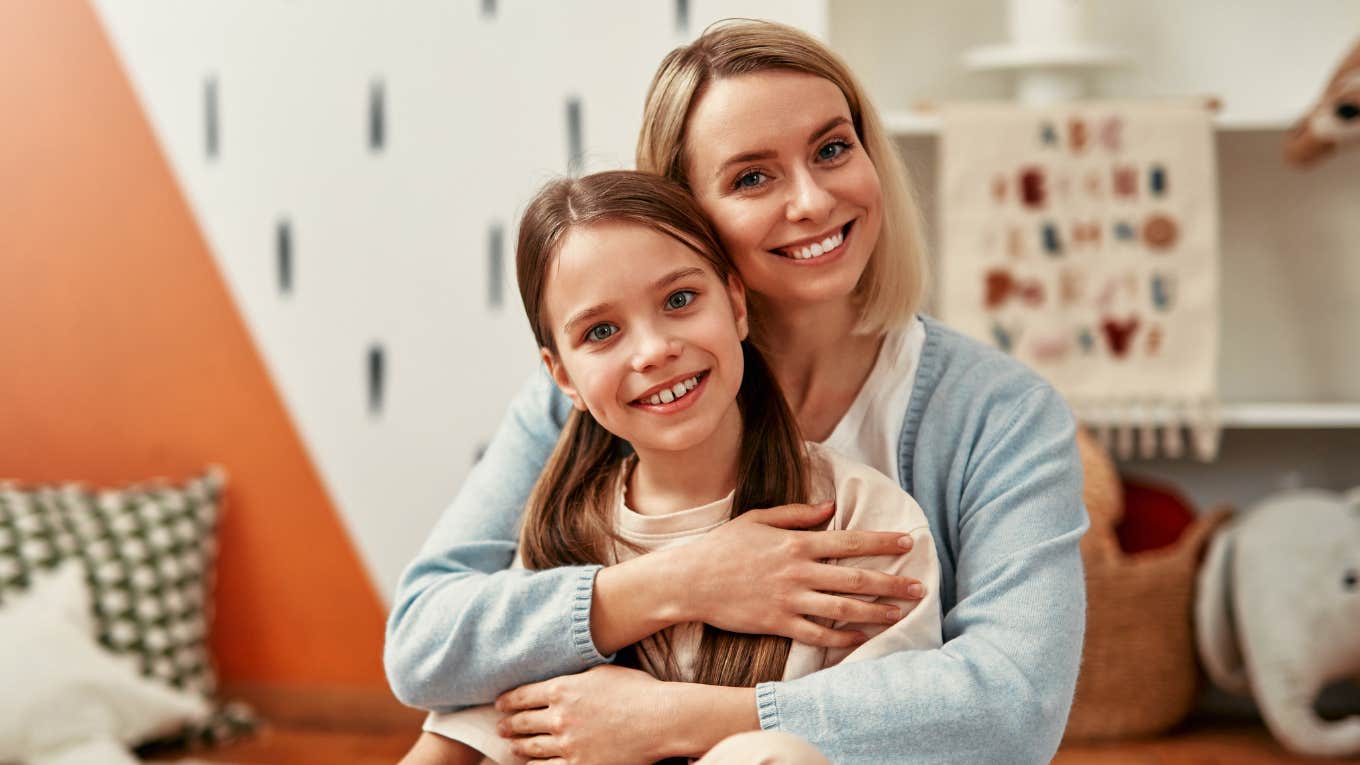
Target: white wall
{"x":390,"y":247}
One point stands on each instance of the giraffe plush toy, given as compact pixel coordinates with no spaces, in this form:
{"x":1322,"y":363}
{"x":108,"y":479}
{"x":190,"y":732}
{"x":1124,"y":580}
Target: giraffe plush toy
{"x":1334,"y":121}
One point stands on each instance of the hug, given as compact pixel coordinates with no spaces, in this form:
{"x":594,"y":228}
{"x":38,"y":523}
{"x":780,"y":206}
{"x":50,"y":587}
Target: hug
{"x":752,"y":487}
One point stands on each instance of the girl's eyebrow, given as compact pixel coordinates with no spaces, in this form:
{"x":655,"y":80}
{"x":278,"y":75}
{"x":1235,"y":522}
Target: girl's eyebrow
{"x":753,"y":156}
{"x":586,"y":314}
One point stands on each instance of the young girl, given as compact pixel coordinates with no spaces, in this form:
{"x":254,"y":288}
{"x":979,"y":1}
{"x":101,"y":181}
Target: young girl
{"x":643,"y":326}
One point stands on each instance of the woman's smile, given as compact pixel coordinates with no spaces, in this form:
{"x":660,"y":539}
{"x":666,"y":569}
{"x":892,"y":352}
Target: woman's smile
{"x":817,"y":250}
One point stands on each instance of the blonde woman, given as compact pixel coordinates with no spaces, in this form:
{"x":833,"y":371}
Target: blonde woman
{"x":774,"y":138}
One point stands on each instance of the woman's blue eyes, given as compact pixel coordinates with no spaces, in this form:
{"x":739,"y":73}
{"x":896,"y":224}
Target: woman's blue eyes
{"x":829,"y":152}
{"x":680,"y":299}
{"x":674,"y":302}
{"x":833,"y":150}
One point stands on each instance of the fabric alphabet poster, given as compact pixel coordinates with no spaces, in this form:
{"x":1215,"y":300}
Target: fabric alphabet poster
{"x":1083,"y":239}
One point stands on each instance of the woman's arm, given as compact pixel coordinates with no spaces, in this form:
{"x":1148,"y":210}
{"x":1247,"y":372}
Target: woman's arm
{"x":1000,"y":688}
{"x":465,"y":627}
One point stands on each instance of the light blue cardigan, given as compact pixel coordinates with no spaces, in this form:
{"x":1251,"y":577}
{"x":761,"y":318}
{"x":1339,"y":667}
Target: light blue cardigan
{"x":988,"y":451}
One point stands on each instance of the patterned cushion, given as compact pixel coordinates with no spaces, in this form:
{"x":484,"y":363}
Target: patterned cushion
{"x":147,"y":553}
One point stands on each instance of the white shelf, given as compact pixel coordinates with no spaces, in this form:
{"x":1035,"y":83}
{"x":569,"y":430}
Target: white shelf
{"x":907,"y":122}
{"x":1291,"y":415}
{"x":1267,"y":416}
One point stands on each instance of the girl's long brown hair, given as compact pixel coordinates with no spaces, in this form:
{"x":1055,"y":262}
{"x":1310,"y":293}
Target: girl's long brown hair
{"x":568,"y":520}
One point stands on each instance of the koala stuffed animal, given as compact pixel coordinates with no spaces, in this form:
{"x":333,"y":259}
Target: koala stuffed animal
{"x":1277,"y":613}
{"x":1334,"y":121}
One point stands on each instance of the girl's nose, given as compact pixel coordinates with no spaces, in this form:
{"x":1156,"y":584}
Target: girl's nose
{"x":808,"y":198}
{"x":654,"y":349}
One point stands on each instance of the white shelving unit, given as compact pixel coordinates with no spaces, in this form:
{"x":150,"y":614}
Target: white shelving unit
{"x":923,"y":122}
{"x":1289,"y":358}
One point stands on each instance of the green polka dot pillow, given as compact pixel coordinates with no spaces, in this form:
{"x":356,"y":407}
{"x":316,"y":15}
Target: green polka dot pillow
{"x":147,"y":553}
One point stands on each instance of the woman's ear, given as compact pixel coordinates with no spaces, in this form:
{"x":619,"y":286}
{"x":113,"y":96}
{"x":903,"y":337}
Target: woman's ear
{"x":559,"y":376}
{"x":736,"y":294}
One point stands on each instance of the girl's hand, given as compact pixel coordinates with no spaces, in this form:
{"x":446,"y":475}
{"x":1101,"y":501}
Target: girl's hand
{"x":604,"y":715}
{"x":761,"y":574}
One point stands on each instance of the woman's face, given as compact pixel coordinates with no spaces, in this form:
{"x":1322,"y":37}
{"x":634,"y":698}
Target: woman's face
{"x":648,"y":337}
{"x":775,"y":164}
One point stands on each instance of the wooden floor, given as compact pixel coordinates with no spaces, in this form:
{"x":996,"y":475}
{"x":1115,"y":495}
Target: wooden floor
{"x":1219,"y":745}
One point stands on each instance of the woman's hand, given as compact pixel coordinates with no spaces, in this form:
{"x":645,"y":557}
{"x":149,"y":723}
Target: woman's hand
{"x":759,"y":574}
{"x":762,"y":574}
{"x":609,"y":715}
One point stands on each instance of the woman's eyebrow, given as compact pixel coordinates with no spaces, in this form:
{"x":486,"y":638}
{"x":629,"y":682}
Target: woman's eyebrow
{"x":830,"y":125}
{"x":752,"y":156}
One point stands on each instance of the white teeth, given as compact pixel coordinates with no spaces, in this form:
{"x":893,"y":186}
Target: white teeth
{"x":674,"y":392}
{"x":820,"y":248}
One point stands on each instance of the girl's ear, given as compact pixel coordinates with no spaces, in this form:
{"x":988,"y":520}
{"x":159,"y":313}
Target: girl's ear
{"x":736,"y":294}
{"x":559,"y":376}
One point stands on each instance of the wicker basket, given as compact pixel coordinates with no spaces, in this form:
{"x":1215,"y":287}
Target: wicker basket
{"x":1139,"y":675}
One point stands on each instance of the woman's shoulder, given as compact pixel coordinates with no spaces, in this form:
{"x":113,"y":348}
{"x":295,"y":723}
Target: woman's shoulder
{"x":952,"y":354}
{"x":958,"y":373}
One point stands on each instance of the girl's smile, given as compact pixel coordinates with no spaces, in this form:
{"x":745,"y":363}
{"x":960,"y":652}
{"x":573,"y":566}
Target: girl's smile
{"x":675,"y":396}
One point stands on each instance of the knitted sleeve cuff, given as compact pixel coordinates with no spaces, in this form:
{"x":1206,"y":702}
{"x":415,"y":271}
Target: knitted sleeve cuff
{"x":580,"y":619}
{"x":766,"y":707}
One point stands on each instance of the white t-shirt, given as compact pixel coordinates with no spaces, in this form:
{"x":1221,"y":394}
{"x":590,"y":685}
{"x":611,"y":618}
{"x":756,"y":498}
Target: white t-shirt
{"x":871,"y":429}
{"x":865,"y":499}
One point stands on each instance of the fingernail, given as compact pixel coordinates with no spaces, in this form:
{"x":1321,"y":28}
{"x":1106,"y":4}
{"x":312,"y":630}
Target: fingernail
{"x":894,"y":614}
{"x":906,"y":542}
{"x":916,"y":591}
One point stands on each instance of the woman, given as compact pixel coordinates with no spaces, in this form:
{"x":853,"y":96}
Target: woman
{"x":774,"y":138}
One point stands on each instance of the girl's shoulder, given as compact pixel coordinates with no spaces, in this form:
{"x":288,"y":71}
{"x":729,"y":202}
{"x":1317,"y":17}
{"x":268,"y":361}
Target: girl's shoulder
{"x":865,"y":498}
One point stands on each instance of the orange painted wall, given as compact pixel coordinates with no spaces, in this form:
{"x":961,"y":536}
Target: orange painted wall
{"x":122,"y":355}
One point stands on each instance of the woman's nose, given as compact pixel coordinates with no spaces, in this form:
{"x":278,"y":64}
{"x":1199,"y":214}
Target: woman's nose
{"x":809,"y":199}
{"x":654,"y":349}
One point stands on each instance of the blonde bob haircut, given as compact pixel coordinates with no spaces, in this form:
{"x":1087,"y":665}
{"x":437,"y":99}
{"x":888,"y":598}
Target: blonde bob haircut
{"x":892,"y":287}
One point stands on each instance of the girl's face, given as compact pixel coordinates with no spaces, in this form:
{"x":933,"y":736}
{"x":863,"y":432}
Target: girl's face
{"x":775,"y":164}
{"x":648,"y":337}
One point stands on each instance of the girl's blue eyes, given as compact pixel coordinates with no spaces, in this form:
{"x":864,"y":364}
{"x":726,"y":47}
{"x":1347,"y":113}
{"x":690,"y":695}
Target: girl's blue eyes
{"x":680,"y":299}
{"x":600,"y":332}
{"x":749,"y":180}
{"x":674,"y":302}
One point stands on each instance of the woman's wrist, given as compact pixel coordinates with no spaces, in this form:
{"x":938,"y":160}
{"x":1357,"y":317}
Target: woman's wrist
{"x":703,"y":715}
{"x":637,"y":598}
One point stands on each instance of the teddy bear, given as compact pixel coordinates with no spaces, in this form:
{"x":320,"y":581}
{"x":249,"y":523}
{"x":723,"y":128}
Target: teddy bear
{"x":1334,"y":121}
